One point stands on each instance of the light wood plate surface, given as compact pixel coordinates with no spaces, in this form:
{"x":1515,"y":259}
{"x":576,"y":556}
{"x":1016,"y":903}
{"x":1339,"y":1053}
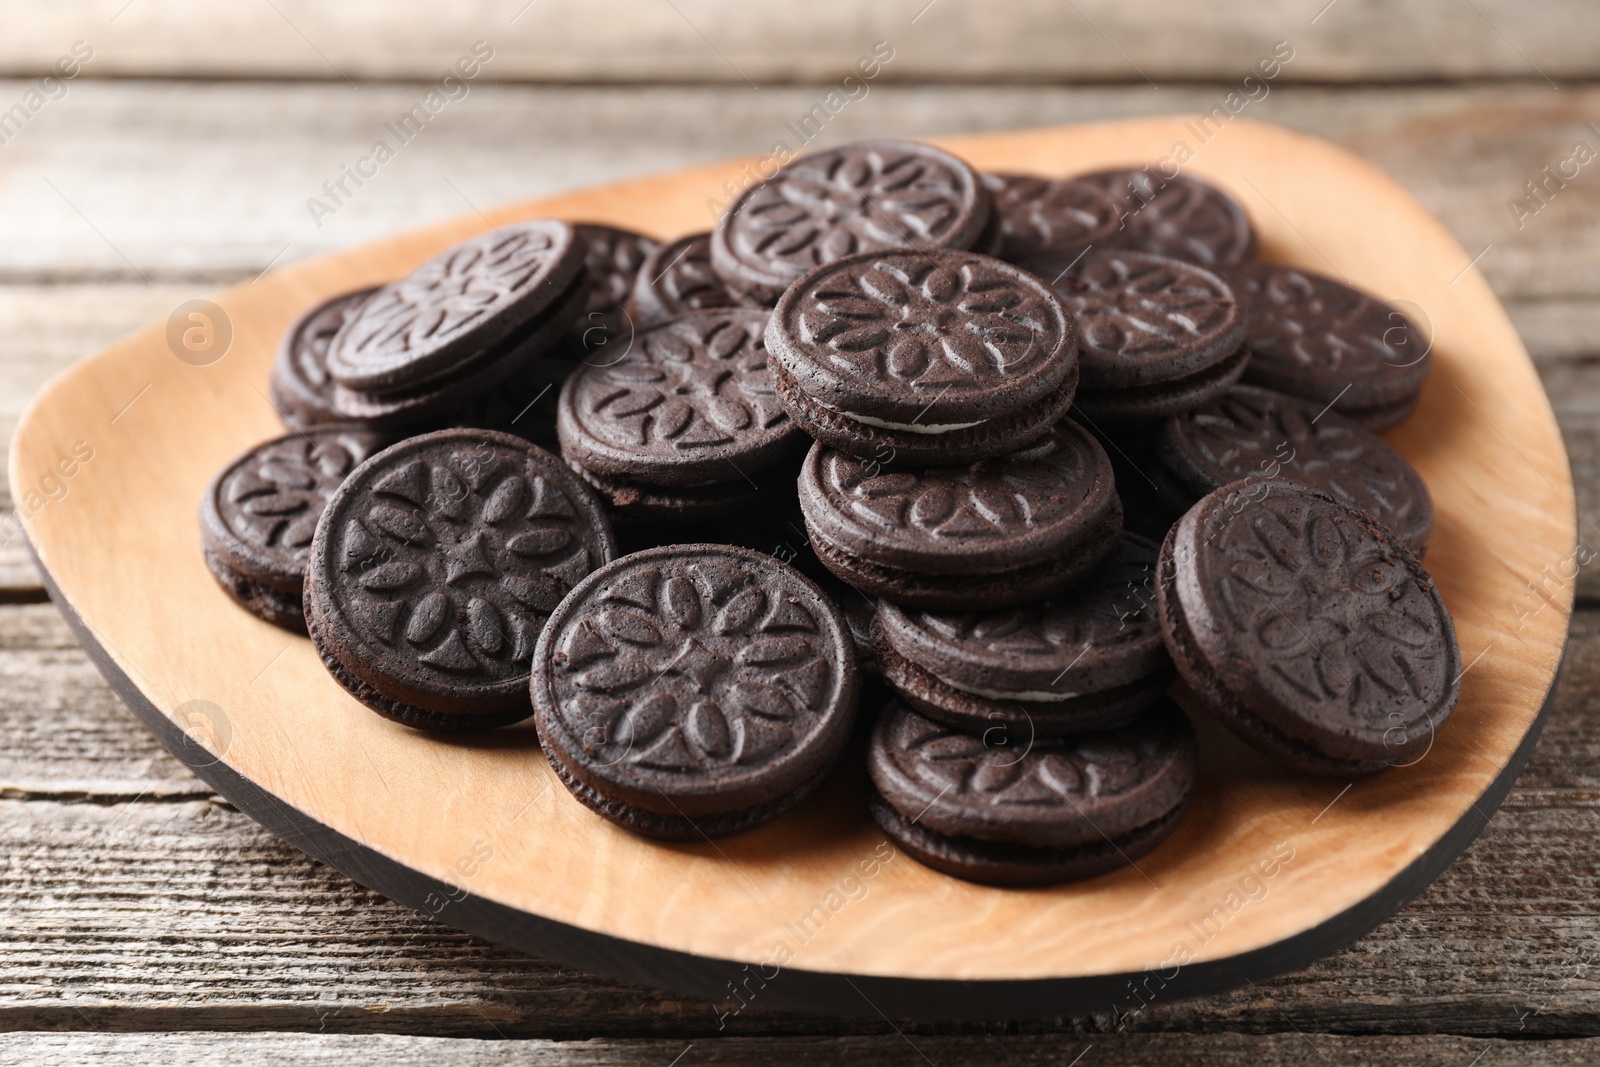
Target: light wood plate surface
{"x":1267,"y":872}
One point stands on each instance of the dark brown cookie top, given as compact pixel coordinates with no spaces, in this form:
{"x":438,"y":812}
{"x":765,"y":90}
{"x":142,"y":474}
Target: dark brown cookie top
{"x":1314,"y":619}
{"x":260,"y":512}
{"x":611,"y":262}
{"x":1145,"y":318}
{"x":438,"y":560}
{"x":1100,"y":634}
{"x":692,"y":402}
{"x":1180,"y":217}
{"x":1312,"y":336}
{"x":864,"y":197}
{"x":300,"y":386}
{"x":1050,"y":793}
{"x":1020,"y":509}
{"x":1045,"y":221}
{"x":455,"y":306}
{"x":695,"y":678}
{"x":923,"y":340}
{"x":677,"y":278}
{"x":1261,"y":434}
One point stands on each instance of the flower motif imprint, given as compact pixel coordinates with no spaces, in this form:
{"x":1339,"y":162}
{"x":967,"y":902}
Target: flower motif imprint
{"x":696,"y":383}
{"x":1313,"y":322}
{"x":1134,"y":308}
{"x":682,"y":666}
{"x":451,"y":558}
{"x":946,"y":329}
{"x":831,"y":204}
{"x":1337,"y":616}
{"x":272,"y":499}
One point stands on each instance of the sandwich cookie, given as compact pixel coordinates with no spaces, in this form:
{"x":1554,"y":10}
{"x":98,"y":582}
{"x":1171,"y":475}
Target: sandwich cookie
{"x":460,"y":325}
{"x":300,"y":388}
{"x":1179,"y":217}
{"x":984,"y":535}
{"x":677,"y":278}
{"x":1259,"y":434}
{"x":433,"y":570}
{"x":694,"y":691}
{"x":1087,"y":659}
{"x":685,"y":422}
{"x":1055,"y":811}
{"x":259,"y":513}
{"x":865,"y":197}
{"x":1308,"y":629}
{"x":1313,"y":337}
{"x":1156,"y":336}
{"x":1045,"y":224}
{"x":923,"y":357}
{"x":611,"y":262}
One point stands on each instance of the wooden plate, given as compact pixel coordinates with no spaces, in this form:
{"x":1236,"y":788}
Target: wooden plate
{"x":1267,"y":872}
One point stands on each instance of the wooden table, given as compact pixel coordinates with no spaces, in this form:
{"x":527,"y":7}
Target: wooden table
{"x":146,"y":921}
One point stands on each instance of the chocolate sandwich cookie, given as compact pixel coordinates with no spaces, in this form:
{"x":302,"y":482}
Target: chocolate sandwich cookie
{"x":1314,"y":337}
{"x":1156,"y":336}
{"x":259,"y":513}
{"x":999,"y":812}
{"x":690,"y":407}
{"x":1087,"y":659}
{"x":611,"y":262}
{"x":299,"y":386}
{"x":1263,"y":435}
{"x":447,"y":315}
{"x":866,"y":197}
{"x":1045,"y":224}
{"x":677,"y":278}
{"x":923,"y":357}
{"x":481,"y":389}
{"x":433,"y":570}
{"x":1180,"y":217}
{"x":985,"y":535}
{"x":1308,"y":629}
{"x":694,"y":691}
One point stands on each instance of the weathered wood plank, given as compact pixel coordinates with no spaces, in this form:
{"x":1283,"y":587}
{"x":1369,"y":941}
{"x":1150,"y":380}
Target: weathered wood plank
{"x":1197,"y":1050}
{"x":723,"y":40}
{"x":214,"y":179}
{"x":245,"y":933}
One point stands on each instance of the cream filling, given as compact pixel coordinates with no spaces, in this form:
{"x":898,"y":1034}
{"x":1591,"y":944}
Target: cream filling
{"x":1036,"y":696}
{"x":934,"y":428}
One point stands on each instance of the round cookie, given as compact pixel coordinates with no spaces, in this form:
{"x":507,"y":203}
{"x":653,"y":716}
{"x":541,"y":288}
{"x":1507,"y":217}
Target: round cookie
{"x":1313,"y":337}
{"x":865,"y":197}
{"x":1308,"y":629}
{"x":1155,"y":334}
{"x":692,"y":404}
{"x":1260,"y":434}
{"x":677,"y":278}
{"x":1047,"y":222}
{"x":433,"y":570}
{"x":481,"y":387}
{"x":259,"y":513}
{"x":299,"y":386}
{"x":1087,"y":659}
{"x":693,"y":691}
{"x":611,"y":262}
{"x":988,"y":534}
{"x":923,"y":357}
{"x":1179,"y":217}
{"x":448,"y":314}
{"x":1000,"y":812}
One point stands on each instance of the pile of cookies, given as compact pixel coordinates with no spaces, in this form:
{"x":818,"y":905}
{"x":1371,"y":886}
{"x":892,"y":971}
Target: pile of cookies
{"x":1004,"y":460}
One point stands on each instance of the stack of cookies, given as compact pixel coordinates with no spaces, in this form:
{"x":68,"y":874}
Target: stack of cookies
{"x":1033,"y":456}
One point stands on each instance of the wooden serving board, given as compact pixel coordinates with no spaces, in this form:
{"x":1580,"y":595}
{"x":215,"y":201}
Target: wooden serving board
{"x":1266,"y":873}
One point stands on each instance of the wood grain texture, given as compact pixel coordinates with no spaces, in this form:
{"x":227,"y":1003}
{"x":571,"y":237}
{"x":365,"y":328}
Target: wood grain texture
{"x":285,"y":725}
{"x":1157,"y":1050}
{"x":225,"y":196}
{"x":724,"y":40}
